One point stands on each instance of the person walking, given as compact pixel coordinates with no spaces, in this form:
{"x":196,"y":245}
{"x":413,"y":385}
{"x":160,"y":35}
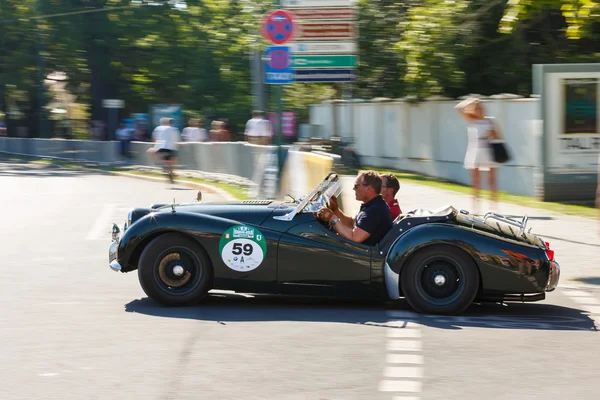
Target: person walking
{"x":481,"y":129}
{"x":194,"y":132}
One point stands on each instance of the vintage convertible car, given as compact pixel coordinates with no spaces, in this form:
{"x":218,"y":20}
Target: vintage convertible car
{"x":440,"y":260}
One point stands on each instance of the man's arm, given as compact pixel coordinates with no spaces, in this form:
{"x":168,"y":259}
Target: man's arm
{"x":353,"y":233}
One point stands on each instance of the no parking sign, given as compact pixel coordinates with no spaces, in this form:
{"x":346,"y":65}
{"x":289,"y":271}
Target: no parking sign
{"x":278,"y":26}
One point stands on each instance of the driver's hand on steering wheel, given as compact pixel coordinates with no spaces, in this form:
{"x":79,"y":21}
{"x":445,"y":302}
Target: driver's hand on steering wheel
{"x":325,"y":214}
{"x":332,"y":204}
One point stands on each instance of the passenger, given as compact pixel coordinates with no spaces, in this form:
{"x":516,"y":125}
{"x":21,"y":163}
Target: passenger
{"x":374,"y":219}
{"x":390,"y":187}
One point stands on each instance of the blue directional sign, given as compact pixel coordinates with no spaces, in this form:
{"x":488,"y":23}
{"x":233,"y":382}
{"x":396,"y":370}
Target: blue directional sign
{"x":324,"y":75}
{"x":278,"y":65}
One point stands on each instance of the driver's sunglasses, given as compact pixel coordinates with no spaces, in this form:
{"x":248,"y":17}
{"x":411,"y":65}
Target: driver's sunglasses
{"x":356,"y":185}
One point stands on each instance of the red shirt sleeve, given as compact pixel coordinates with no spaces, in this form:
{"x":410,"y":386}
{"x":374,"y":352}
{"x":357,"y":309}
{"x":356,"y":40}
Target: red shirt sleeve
{"x":394,"y":208}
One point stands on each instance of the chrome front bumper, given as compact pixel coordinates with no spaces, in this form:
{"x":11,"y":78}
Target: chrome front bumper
{"x":112,"y":256}
{"x":554,"y":276}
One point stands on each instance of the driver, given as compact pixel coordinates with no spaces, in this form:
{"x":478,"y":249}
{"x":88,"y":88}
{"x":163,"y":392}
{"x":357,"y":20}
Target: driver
{"x":374,"y":219}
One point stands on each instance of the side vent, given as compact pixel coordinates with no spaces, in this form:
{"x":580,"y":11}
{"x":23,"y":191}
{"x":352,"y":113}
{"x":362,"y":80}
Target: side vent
{"x":259,"y":202}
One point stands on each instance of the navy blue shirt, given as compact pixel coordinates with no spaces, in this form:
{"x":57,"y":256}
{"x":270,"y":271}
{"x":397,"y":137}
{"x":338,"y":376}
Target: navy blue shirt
{"x":374,"y":218}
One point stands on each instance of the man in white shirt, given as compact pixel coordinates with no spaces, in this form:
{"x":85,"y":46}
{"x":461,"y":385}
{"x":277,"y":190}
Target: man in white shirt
{"x":165,"y":139}
{"x":258,"y":129}
{"x":194,"y":132}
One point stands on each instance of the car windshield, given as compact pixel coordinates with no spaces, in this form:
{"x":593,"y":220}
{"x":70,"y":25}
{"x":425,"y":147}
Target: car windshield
{"x":317,"y":198}
{"x":322,"y":196}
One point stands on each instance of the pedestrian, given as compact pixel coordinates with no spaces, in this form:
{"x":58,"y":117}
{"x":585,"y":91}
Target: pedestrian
{"x":258,"y":129}
{"x":479,"y":157}
{"x":124,"y":135}
{"x":194,"y":131}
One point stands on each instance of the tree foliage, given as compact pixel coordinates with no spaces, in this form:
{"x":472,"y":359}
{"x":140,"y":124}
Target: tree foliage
{"x":197,"y":52}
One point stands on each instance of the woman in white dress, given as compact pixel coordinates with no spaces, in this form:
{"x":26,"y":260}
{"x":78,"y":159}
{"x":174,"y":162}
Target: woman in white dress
{"x":479,"y":156}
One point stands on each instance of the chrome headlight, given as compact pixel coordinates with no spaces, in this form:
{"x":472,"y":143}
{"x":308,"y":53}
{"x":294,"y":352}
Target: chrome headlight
{"x":129,"y":215}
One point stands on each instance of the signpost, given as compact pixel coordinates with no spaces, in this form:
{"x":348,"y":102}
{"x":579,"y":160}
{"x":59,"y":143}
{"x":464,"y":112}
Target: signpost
{"x":324,"y":47}
{"x":113,"y":106}
{"x":278,"y":26}
{"x":324,"y":75}
{"x":322,"y":61}
{"x":318,"y":3}
{"x":278,"y":65}
{"x":324,"y":30}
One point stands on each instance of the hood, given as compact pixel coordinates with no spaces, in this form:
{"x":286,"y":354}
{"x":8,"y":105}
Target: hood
{"x":248,"y":211}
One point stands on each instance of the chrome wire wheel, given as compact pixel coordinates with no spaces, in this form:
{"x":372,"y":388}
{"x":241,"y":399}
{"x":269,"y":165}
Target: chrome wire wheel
{"x":178,"y":270}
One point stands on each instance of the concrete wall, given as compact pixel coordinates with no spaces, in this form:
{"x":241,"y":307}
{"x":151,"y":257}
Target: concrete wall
{"x":431,"y":137}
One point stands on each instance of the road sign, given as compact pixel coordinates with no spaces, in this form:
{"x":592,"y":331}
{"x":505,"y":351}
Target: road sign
{"x":331,"y":13}
{"x":113,"y":103}
{"x":326,"y":30}
{"x":323,"y":61}
{"x":278,"y":26}
{"x":278,"y":65}
{"x":318,"y":3}
{"x":324,"y":75}
{"x":323,"y":48}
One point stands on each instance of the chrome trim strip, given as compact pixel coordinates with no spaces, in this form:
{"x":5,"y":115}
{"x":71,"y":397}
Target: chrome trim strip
{"x":305,"y":284}
{"x":392,"y":282}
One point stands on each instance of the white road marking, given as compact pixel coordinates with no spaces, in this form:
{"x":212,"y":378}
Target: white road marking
{"x":101,"y":227}
{"x":48,"y":374}
{"x":403,"y":372}
{"x":404,"y":345}
{"x":403,"y":333}
{"x":592,"y":309}
{"x":400,"y":386}
{"x":404,"y":359}
{"x":586,"y":300}
{"x":576,"y":293}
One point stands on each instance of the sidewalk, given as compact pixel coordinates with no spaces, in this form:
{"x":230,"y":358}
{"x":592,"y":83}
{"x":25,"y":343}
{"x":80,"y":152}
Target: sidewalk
{"x":575,"y":240}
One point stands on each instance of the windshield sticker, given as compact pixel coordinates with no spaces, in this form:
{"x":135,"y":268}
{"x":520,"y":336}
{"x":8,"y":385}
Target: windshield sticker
{"x":242,"y":248}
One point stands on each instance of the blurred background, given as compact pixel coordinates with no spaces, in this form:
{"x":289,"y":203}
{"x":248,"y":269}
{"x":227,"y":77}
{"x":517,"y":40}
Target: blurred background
{"x":59,"y":59}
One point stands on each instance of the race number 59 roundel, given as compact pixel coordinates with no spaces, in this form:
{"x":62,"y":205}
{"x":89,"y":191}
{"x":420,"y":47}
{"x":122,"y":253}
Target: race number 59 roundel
{"x":242,"y":248}
{"x":278,"y":26}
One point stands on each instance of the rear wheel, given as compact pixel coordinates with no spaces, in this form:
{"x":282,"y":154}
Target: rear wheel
{"x":440,"y":280}
{"x":174,"y":270}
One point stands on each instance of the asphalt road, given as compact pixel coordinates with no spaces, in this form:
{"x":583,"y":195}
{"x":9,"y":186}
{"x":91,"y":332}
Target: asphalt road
{"x":73,"y":329}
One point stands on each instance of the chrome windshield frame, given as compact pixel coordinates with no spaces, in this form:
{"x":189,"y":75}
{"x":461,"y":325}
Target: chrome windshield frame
{"x":319,"y":189}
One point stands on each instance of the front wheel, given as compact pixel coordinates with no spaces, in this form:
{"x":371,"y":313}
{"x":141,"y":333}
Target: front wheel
{"x":440,"y":280}
{"x":174,"y":270}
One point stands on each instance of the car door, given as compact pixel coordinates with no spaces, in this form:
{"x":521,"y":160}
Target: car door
{"x":314,"y":261}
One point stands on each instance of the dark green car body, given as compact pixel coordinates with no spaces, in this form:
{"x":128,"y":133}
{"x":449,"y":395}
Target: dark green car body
{"x":303,"y":257}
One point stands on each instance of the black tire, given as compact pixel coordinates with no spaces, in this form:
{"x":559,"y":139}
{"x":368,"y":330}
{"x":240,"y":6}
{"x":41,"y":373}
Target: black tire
{"x":157,"y":270}
{"x":457,"y":280}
